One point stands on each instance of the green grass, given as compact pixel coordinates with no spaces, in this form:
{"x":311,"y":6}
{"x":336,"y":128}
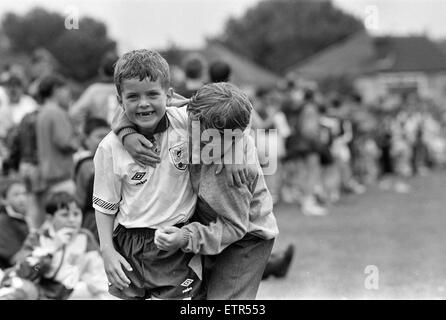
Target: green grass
{"x":404,"y":235}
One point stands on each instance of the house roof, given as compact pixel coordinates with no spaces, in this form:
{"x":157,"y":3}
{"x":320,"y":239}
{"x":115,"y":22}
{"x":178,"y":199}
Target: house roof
{"x":442,"y":46}
{"x":360,"y":54}
{"x":244,"y":71}
{"x":346,"y":57}
{"x":406,"y":54}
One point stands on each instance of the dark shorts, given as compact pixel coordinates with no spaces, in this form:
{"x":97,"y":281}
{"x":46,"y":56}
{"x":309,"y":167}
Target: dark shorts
{"x":156,"y":273}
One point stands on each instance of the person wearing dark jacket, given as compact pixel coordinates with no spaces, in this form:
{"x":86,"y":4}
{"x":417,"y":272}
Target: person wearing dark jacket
{"x":13,"y":225}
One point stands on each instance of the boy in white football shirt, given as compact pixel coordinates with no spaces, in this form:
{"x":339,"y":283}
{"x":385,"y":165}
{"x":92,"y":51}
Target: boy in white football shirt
{"x":132,"y":201}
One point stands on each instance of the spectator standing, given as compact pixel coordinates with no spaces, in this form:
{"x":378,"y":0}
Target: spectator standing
{"x":56,"y":139}
{"x":95,"y":129}
{"x":194,"y":69}
{"x":99,"y":99}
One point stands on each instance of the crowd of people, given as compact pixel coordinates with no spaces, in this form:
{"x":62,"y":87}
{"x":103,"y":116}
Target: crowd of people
{"x":324,"y":144}
{"x":327,"y":143}
{"x":336,"y":144}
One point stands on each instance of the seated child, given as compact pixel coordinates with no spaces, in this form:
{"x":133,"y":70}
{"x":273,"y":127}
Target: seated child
{"x":94,"y":130}
{"x":60,"y":261}
{"x":132,"y":200}
{"x":13,"y":225}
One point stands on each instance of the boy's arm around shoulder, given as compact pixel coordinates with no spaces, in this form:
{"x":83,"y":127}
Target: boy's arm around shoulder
{"x":121,"y":125}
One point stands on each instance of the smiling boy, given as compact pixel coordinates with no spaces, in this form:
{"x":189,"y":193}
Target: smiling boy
{"x":132,"y":201}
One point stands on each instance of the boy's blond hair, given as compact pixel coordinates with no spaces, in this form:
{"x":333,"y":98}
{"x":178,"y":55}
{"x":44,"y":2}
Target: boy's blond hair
{"x":220,"y":106}
{"x":142,"y":64}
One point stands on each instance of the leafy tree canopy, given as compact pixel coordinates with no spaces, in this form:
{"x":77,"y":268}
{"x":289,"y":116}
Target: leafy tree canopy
{"x":79,"y":51}
{"x":280,"y":33}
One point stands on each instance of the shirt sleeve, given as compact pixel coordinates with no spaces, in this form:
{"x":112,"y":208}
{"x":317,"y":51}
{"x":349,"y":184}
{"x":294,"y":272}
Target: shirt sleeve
{"x":107,"y":184}
{"x":231,"y":206}
{"x":182,"y":113}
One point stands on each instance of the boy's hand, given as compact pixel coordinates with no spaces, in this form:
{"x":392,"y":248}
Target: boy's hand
{"x":141,"y":150}
{"x":169,"y":238}
{"x":235,"y":173}
{"x":113,"y":263}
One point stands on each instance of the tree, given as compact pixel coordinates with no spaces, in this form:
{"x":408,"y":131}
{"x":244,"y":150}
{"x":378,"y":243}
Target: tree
{"x":280,"y":33}
{"x":79,"y":51}
{"x":37,"y":28}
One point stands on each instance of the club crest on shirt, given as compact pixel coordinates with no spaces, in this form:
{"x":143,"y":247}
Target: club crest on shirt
{"x":179,"y":154}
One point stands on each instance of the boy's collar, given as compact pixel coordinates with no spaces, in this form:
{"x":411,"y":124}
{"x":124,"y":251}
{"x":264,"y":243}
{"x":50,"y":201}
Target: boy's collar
{"x":162,"y":126}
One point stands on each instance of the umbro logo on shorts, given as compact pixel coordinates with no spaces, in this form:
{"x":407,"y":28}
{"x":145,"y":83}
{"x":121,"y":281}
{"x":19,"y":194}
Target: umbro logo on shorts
{"x":187,"y":290}
{"x":138,"y":176}
{"x":187,"y":282}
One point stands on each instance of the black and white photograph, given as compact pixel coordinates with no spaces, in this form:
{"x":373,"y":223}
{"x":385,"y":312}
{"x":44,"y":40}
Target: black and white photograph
{"x":233,"y":150}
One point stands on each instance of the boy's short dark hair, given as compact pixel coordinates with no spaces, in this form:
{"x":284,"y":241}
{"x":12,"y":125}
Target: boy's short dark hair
{"x":220,"y":106}
{"x":59,"y":200}
{"x":7,"y":183}
{"x":141,"y":64}
{"x":92,"y":124}
{"x":219,"y":71}
{"x":48,"y":84}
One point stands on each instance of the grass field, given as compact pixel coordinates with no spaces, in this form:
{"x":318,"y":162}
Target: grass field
{"x":403,"y":235}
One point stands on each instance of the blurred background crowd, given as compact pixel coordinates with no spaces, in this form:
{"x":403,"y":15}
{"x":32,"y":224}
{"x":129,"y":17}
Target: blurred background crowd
{"x":345,"y":110}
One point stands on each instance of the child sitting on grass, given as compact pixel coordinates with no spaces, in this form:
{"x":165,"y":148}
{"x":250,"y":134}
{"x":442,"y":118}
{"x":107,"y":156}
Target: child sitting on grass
{"x":60,"y":261}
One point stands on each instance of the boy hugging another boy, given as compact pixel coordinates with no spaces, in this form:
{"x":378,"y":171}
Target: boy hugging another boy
{"x":234,"y":227}
{"x":132,"y":201}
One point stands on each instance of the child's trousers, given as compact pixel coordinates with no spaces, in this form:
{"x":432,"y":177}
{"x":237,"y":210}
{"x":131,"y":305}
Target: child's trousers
{"x":236,"y":272}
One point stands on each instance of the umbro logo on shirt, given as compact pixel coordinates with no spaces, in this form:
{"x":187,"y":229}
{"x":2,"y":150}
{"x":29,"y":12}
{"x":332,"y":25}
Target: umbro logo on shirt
{"x":138,"y":176}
